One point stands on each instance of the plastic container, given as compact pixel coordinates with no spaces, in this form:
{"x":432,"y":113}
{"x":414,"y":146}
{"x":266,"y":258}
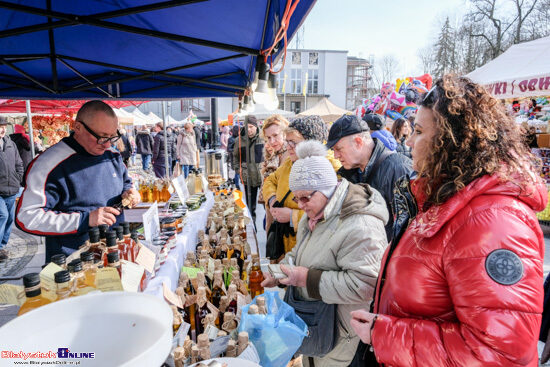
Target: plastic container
{"x":121,"y":329}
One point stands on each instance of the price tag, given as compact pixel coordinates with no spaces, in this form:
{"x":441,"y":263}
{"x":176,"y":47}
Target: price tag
{"x":108,"y":280}
{"x":212,"y":332}
{"x":47,"y":280}
{"x":181,"y":188}
{"x":171,"y":297}
{"x":219,"y":346}
{"x":213,"y":309}
{"x":151,"y":224}
{"x":146,"y":258}
{"x":250,"y":353}
{"x":131,"y":275}
{"x":179,"y":338}
{"x":191,"y":272}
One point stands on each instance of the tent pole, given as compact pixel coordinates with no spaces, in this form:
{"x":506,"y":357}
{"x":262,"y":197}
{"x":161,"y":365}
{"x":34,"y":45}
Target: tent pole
{"x":29,"y":122}
{"x":167,"y":170}
{"x":214,"y":120}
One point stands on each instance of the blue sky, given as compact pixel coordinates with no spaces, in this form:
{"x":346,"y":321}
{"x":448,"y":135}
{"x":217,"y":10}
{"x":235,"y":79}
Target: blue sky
{"x":365,"y":27}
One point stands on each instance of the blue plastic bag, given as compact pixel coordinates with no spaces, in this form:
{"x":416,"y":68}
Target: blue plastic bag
{"x":277,"y":335}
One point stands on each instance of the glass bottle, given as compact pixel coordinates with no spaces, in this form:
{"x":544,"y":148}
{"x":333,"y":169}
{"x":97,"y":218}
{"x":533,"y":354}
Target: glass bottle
{"x":217,"y":289}
{"x":232,"y":299}
{"x":60,"y":259}
{"x":189,"y":292}
{"x":96,"y":247}
{"x":80,"y":286}
{"x":202,"y":280}
{"x":255,"y":277}
{"x":112,"y":245}
{"x":103,"y":228}
{"x":122,"y":246}
{"x":90,"y":270}
{"x":113,"y":261}
{"x":62,"y":280}
{"x":131,"y":245}
{"x":201,"y":310}
{"x":244,"y":276}
{"x":35,"y":299}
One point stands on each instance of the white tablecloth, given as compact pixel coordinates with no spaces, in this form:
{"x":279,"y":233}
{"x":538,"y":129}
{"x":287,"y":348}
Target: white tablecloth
{"x":187,"y":241}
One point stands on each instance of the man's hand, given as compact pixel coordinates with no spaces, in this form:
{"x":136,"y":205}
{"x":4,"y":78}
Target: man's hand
{"x":296,"y":275}
{"x":105,"y":215}
{"x":269,"y":282}
{"x":361,"y":322}
{"x":132,"y":195}
{"x":281,"y":215}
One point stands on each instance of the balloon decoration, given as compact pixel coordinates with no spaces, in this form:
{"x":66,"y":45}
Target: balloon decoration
{"x":51,"y":129}
{"x":397,"y":100}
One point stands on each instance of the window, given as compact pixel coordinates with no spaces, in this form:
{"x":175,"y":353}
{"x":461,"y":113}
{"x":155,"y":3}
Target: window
{"x":313,"y":58}
{"x":295,"y":81}
{"x":313,"y":81}
{"x":280,"y":82}
{"x":295,"y":107}
{"x":296,"y":58}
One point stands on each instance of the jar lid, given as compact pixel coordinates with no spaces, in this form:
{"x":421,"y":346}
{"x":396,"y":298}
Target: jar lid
{"x":169,"y":234}
{"x":169,"y":229}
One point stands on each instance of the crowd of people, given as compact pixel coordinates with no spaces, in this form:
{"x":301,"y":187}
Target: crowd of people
{"x":422,"y":240}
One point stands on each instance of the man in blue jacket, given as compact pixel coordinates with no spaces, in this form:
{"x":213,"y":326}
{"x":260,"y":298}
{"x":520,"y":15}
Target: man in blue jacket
{"x":75,"y":184}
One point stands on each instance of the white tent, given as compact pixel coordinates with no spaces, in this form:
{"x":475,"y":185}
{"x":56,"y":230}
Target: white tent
{"x":522,"y":71}
{"x":140,"y":118}
{"x":328,"y":111}
{"x":262,"y":113}
{"x":153,"y":118}
{"x":124,"y":117}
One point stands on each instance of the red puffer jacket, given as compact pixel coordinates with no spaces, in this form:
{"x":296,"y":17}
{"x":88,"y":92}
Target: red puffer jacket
{"x":449,"y":299}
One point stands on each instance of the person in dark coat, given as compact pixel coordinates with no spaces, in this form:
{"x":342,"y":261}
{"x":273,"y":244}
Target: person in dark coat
{"x":159,"y":160}
{"x":171,"y":141}
{"x":233,"y":137}
{"x":124,"y":147}
{"x":197,"y":131}
{"x":11,"y":174}
{"x":144,"y":146}
{"x":366,"y":160}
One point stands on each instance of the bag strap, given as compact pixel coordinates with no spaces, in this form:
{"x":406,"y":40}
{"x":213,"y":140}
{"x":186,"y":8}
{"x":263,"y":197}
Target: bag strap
{"x":288,"y":193}
{"x":281,"y":203}
{"x":381,"y":158}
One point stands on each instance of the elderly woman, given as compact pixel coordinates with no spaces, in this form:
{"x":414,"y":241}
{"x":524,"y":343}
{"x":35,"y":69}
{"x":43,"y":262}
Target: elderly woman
{"x":340,"y":243}
{"x":186,"y":148}
{"x":461,"y":285}
{"x":275,"y":152}
{"x":276,"y":187}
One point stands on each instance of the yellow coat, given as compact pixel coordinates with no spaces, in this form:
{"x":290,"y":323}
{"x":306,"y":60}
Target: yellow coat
{"x":276,"y":184}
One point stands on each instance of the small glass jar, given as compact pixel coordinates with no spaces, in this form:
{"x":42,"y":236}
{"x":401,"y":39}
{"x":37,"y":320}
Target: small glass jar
{"x":167,"y":222}
{"x":163,"y":250}
{"x":170,"y":239}
{"x":179,"y":221}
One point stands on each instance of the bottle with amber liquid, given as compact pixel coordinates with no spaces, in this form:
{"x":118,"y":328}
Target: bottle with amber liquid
{"x":237,"y":254}
{"x":63,"y":282}
{"x":131,"y":244}
{"x":122,"y":246}
{"x":33,"y":292}
{"x":189,"y":291}
{"x":96,"y":246}
{"x":217,"y":289}
{"x":112,"y":246}
{"x":256,"y":277}
{"x":60,"y":260}
{"x":231,"y":299}
{"x":201,"y":310}
{"x":80,"y":285}
{"x":90,"y":269}
{"x":113,"y":261}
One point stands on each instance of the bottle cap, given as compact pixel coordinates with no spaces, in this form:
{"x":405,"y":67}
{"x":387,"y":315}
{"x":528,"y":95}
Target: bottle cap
{"x":59,"y":259}
{"x":112,"y":257}
{"x":62,"y":276}
{"x":93,"y":235}
{"x":75,"y":266}
{"x":31,"y":279}
{"x":135,"y":236}
{"x":119,"y":232}
{"x":253,"y":310}
{"x":111,"y":238}
{"x":103,"y":228}
{"x":87,"y":256}
{"x":126,"y":227}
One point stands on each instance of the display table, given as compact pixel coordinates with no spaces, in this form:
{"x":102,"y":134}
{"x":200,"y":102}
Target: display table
{"x":186,"y":241}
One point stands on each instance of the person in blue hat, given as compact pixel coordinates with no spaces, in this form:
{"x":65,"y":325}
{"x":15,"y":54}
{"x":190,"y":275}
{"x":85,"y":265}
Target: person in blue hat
{"x":366,"y":159}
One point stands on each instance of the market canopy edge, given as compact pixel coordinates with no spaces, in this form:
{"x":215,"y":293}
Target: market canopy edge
{"x":149,"y":50}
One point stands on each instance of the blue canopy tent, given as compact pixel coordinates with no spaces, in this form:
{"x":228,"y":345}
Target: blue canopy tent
{"x":140,"y":49}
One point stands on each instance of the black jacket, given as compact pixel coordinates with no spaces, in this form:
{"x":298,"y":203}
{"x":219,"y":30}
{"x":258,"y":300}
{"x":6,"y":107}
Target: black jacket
{"x":158,"y":149}
{"x":144,"y":142}
{"x":256,"y":154}
{"x":24,"y":149}
{"x":197,"y":136}
{"x":11,"y":168}
{"x":171,"y":141}
{"x":127,"y":153}
{"x":403,"y":148}
{"x":384,"y":178}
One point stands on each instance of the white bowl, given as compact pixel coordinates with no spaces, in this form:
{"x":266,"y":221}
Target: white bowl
{"x":120,"y":328}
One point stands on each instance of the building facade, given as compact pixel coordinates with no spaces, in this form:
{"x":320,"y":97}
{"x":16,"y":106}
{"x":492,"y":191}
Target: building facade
{"x":315,"y":73}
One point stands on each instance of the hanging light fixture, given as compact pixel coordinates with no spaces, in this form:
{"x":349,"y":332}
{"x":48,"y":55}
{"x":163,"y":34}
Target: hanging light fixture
{"x":248,"y":106}
{"x":273,"y":101}
{"x":261,"y":95}
{"x":259,"y":62}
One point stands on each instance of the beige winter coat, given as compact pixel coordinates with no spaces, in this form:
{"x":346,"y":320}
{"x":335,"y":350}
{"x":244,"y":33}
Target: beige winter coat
{"x":343,"y":254}
{"x":186,"y":148}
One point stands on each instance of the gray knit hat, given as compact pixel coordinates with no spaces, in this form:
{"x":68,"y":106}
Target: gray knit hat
{"x":311,"y":127}
{"x":312,"y":171}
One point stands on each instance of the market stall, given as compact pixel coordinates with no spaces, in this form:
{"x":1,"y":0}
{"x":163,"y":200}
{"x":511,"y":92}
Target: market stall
{"x":328,"y":111}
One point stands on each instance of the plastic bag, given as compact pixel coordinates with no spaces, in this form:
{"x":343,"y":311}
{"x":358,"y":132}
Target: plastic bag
{"x":277,"y":335}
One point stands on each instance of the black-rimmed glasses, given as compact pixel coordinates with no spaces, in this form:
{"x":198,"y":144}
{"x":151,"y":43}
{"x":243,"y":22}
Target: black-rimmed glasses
{"x":102,"y":139}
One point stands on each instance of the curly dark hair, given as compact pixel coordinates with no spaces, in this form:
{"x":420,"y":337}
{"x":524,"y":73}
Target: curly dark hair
{"x":475,"y":137}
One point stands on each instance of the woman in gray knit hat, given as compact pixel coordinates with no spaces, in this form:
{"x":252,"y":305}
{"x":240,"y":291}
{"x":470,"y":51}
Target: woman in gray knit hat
{"x":276,"y":191}
{"x":340,"y":243}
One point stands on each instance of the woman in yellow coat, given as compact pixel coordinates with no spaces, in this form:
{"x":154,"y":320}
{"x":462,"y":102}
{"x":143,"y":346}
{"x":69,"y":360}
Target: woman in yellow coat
{"x":276,"y":184}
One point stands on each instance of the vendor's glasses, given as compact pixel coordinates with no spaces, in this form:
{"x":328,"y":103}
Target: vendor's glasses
{"x":102,"y":139}
{"x":304,"y":199}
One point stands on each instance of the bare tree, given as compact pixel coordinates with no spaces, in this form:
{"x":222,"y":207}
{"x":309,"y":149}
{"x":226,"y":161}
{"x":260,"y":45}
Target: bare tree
{"x":524,"y":9}
{"x":495,"y":26}
{"x":385,"y":69}
{"x":427,"y":59}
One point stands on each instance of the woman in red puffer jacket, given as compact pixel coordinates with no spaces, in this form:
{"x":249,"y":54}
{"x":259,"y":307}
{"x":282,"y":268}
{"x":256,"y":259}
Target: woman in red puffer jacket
{"x":462,"y":283}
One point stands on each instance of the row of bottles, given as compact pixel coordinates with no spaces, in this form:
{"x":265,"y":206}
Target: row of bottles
{"x":152,"y":190}
{"x":195,"y":353}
